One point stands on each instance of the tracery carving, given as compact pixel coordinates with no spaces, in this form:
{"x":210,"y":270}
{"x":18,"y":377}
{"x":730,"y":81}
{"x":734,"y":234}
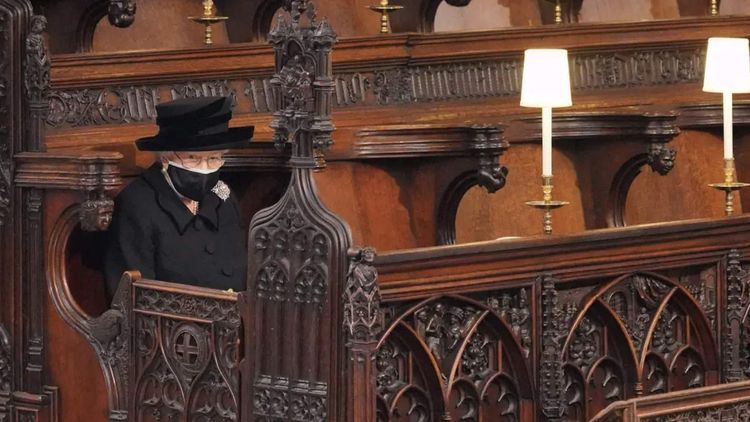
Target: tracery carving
{"x":671,"y":338}
{"x":294,"y":400}
{"x":185,"y":369}
{"x":292,"y":239}
{"x":477,"y":369}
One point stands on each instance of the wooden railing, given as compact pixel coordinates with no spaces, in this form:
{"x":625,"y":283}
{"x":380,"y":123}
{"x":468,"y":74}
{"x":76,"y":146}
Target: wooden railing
{"x":727,"y":402}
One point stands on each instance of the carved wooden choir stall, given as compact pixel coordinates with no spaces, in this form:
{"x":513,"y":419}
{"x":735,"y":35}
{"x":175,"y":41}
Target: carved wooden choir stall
{"x":637,"y":309}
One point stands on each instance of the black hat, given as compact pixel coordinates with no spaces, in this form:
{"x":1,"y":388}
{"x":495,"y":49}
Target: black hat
{"x":196,"y":124}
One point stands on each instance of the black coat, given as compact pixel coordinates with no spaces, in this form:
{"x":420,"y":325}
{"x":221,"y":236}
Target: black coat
{"x":153,"y":232}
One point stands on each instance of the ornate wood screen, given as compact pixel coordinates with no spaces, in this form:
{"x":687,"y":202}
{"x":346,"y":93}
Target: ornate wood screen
{"x":297,"y":248}
{"x":470,"y":334}
{"x":184,"y":353}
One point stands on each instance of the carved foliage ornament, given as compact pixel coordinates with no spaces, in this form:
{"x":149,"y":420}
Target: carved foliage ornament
{"x":401,"y":85}
{"x":551,"y":373}
{"x":735,"y":345}
{"x":362,"y":319}
{"x":37,"y":61}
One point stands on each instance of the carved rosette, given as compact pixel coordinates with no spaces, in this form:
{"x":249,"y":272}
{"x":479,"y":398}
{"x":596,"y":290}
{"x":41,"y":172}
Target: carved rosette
{"x":362,"y":319}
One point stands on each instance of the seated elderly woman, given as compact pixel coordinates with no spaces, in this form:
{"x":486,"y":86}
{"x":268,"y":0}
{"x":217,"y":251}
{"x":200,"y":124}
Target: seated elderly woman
{"x":178,"y":222}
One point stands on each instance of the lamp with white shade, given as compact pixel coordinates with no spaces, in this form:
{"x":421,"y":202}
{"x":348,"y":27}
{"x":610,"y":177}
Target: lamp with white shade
{"x":546,"y":84}
{"x":728,"y":72}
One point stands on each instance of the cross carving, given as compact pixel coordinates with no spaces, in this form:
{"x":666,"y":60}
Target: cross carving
{"x":186,"y":349}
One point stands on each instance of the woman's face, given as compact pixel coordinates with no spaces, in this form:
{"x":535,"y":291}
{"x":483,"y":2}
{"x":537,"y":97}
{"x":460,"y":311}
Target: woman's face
{"x":195,"y":160}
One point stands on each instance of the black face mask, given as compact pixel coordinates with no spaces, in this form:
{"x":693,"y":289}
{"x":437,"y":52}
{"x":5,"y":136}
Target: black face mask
{"x":191,"y":184}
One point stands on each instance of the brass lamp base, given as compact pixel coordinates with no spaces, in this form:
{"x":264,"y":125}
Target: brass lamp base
{"x":729,"y":186}
{"x":547,"y":204}
{"x":385,"y":9}
{"x":208,"y":18}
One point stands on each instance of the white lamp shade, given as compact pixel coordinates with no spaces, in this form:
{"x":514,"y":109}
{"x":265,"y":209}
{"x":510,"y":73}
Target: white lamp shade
{"x":727,"y":65}
{"x":546,"y":79}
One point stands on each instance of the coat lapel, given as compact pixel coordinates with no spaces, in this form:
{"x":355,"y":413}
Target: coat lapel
{"x":167,"y":199}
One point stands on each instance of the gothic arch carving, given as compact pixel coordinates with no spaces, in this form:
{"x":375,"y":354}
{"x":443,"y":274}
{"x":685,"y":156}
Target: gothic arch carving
{"x":471,"y":361}
{"x":657,"y":325}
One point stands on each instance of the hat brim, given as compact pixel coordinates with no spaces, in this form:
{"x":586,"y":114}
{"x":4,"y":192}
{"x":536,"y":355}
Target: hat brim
{"x":236,"y":137}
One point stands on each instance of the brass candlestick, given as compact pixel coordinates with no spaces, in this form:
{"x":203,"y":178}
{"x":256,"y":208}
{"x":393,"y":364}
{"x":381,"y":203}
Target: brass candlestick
{"x":729,"y":185}
{"x":208,"y":18}
{"x":714,"y":7}
{"x":384,"y":9}
{"x":547,"y":204}
{"x":558,"y":12}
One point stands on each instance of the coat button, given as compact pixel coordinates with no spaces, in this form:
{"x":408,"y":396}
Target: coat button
{"x":198,"y":224}
{"x":210,"y":248}
{"x":227,"y":271}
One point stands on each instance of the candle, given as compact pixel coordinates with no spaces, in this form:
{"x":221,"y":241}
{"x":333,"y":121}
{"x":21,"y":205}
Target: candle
{"x":728,"y":132}
{"x":546,"y":141}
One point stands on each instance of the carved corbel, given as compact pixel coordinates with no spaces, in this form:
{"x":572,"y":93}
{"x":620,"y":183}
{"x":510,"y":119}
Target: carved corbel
{"x":121,"y":13}
{"x":96,"y":212}
{"x":659,"y":130}
{"x":95,"y":174}
{"x":487,"y":143}
{"x":491,"y":175}
{"x":660,"y":158}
